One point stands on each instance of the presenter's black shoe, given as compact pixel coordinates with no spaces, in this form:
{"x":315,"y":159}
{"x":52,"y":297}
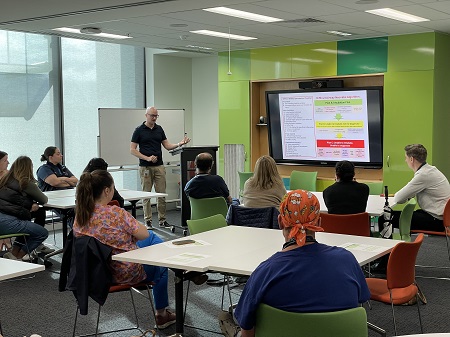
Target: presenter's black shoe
{"x":164,"y":224}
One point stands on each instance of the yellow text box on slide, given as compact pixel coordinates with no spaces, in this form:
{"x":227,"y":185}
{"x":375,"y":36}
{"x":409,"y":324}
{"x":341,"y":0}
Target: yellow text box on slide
{"x":338,"y":124}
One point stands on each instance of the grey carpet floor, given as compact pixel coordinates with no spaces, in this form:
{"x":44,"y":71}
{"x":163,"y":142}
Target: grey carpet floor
{"x":34,"y":305}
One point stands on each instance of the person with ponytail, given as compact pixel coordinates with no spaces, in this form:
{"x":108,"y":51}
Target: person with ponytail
{"x":115,"y":227}
{"x":305,"y":276}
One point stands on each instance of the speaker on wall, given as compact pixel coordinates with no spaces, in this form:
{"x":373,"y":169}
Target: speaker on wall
{"x":321,"y":84}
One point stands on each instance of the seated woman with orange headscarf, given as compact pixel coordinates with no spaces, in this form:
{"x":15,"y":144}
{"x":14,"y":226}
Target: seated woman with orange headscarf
{"x":297,"y":279}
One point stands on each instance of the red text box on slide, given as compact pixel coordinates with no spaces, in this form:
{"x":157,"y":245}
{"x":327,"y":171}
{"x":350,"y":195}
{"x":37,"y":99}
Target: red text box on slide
{"x":352,"y":144}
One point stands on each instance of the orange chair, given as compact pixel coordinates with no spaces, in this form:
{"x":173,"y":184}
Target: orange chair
{"x":352,"y":224}
{"x":114,"y":203}
{"x":399,"y":287}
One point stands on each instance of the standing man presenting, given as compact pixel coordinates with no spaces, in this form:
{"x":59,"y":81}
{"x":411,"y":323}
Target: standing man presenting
{"x":146,"y":145}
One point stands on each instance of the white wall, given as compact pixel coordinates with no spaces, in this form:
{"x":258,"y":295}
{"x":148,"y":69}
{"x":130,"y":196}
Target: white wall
{"x":205,"y":101}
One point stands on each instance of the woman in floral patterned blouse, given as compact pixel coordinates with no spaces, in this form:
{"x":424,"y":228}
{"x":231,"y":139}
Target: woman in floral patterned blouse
{"x":115,"y":227}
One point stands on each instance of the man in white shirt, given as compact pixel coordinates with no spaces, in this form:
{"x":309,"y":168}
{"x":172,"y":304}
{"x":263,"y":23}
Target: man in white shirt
{"x":430,"y":187}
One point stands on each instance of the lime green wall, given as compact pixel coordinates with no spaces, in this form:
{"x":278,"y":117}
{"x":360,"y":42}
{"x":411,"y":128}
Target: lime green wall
{"x":441,"y":121}
{"x":234,"y":102}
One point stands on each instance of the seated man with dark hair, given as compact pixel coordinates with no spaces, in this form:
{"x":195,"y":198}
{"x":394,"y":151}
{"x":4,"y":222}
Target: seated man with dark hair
{"x":305,"y":276}
{"x":346,"y":195}
{"x":205,"y":184}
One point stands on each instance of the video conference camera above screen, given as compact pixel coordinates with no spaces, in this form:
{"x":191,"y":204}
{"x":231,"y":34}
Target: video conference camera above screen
{"x":320,"y":127}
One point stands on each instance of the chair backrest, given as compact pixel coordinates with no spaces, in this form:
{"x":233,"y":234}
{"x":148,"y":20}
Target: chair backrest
{"x":303,"y":181}
{"x":352,"y":224}
{"x":287,"y":183}
{"x":243,"y":177}
{"x":375,"y":188}
{"x":114,"y":203}
{"x":265,"y":217}
{"x":272,"y":322}
{"x":206,"y":224}
{"x":203,"y":208}
{"x":401,"y":266}
{"x":405,"y":220}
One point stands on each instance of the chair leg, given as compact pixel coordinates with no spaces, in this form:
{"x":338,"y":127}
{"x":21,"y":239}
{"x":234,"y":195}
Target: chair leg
{"x":418,"y":310}
{"x":98,"y":320}
{"x":448,"y":245}
{"x":186,"y":301}
{"x":150,"y":298}
{"x":134,"y":308}
{"x":393,"y":313}
{"x":75,"y":323}
{"x":229,"y":294}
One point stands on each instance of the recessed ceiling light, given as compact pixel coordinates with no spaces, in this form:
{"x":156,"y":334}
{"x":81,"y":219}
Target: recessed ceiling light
{"x":336,"y":32}
{"x":242,"y":14}
{"x":397,"y":15}
{"x":91,"y":31}
{"x":306,"y":60}
{"x":222,"y":35}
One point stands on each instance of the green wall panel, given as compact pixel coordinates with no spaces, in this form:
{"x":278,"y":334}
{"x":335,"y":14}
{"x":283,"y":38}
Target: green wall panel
{"x":271,"y":63}
{"x":365,"y":56}
{"x":318,"y":59}
{"x":441,"y":121}
{"x":239,"y":66}
{"x":408,"y":118}
{"x":234,"y":116}
{"x":411,"y":52}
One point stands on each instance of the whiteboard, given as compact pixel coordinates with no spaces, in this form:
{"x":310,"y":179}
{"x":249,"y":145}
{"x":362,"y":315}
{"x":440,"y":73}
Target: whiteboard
{"x":117,"y":125}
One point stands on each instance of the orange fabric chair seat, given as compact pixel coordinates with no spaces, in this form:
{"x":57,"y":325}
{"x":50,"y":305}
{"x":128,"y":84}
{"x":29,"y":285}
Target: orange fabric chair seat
{"x":380,"y":292}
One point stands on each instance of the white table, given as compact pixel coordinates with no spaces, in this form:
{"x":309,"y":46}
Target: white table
{"x":64,"y":200}
{"x":14,"y":268}
{"x":235,"y":249}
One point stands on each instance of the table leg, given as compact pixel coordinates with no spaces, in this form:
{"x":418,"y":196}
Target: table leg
{"x":179,"y":300}
{"x":64,"y":225}
{"x":133,"y":207}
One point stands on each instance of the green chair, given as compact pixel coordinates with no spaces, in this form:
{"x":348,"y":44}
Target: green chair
{"x":344,"y":323}
{"x":375,"y":188}
{"x":405,"y":222}
{"x":243,"y":177}
{"x":287,"y":182}
{"x":203,"y":208}
{"x":206,"y":224}
{"x":303,"y":181}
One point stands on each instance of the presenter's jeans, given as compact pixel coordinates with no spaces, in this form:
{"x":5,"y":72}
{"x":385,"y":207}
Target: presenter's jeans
{"x":10,"y":225}
{"x":156,"y":274}
{"x":153,"y":175}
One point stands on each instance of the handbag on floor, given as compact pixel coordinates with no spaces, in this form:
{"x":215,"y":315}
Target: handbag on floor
{"x":144,"y":334}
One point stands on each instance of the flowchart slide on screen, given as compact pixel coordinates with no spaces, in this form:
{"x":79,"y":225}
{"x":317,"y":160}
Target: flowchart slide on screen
{"x":325,"y":125}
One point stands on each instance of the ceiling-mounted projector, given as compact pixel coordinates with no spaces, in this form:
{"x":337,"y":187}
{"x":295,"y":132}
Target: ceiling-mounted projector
{"x":90,"y":30}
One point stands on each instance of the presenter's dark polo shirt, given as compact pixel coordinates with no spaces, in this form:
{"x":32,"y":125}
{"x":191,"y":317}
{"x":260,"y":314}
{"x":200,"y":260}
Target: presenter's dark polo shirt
{"x":346,"y":197}
{"x":149,"y":141}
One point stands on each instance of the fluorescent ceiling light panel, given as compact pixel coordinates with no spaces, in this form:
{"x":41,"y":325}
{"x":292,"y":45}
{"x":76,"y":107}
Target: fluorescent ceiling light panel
{"x":336,"y":32}
{"x":77,"y":31}
{"x":242,"y":15}
{"x":396,"y":15}
{"x":222,"y":35}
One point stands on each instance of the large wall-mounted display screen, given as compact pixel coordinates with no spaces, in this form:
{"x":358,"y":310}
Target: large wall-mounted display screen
{"x":322,"y":127}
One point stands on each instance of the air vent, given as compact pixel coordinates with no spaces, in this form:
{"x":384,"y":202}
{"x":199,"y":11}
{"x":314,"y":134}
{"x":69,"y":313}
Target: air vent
{"x":188,"y":50}
{"x":304,"y":20}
